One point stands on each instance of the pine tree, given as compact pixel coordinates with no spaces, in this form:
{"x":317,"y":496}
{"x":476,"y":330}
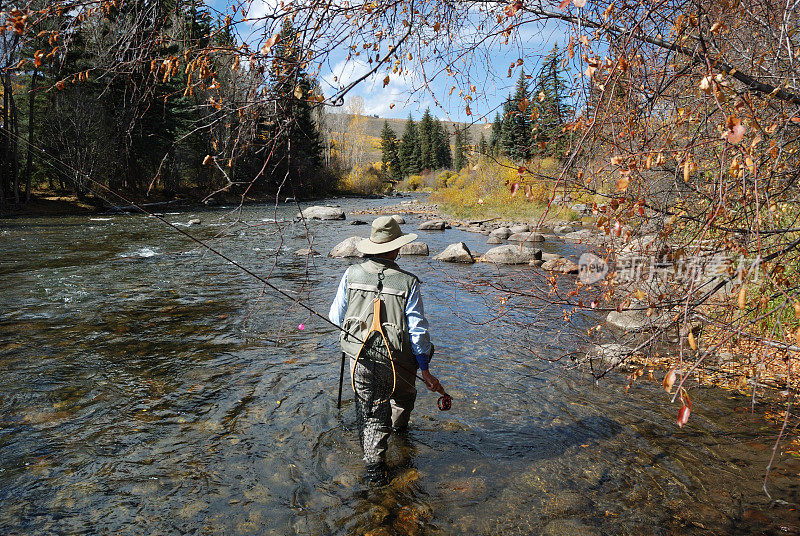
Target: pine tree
{"x":409,"y":149}
{"x":459,"y":158}
{"x":483,"y":147}
{"x":443,"y":158}
{"x":462,"y":143}
{"x":427,"y":142}
{"x":292,"y":126}
{"x":390,"y":161}
{"x":496,"y":137}
{"x":553,"y":110}
{"x":518,"y":139}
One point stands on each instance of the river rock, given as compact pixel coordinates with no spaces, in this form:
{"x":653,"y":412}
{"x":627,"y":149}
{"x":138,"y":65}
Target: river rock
{"x":415,"y":248}
{"x":399,"y":219}
{"x":561,"y":265}
{"x":511,"y":254}
{"x":563,"y":229}
{"x":358,"y":222}
{"x":211,"y":202}
{"x":526,"y":236}
{"x":306,"y":252}
{"x":581,"y":235}
{"x":433,"y":225}
{"x":474,"y":229}
{"x":195,"y":221}
{"x":501,"y":232}
{"x":494,"y":240}
{"x":549,"y":256}
{"x":520,"y":229}
{"x":322,"y":213}
{"x":609,"y":354}
{"x":636,"y":319}
{"x":456,"y":253}
{"x":581,"y":208}
{"x":347,"y":248}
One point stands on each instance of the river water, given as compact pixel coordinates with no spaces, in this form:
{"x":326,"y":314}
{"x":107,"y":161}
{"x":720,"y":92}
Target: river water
{"x":148,"y":387}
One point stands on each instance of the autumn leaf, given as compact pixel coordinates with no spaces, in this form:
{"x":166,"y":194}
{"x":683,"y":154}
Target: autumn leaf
{"x":692,"y":340}
{"x":563,"y":5}
{"x":298,"y":92}
{"x":579,"y":3}
{"x":514,"y":189}
{"x":736,"y":134}
{"x":683,"y":415}
{"x":386,"y":81}
{"x":207,"y":160}
{"x":269,"y":44}
{"x":523,"y":104}
{"x":797,"y":309}
{"x":511,"y":9}
{"x":624,"y":180}
{"x":669,"y":381}
{"x":743,"y":297}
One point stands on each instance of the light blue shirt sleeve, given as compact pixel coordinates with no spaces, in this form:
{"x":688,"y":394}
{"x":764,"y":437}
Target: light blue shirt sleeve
{"x":339,"y":305}
{"x":418,"y":327}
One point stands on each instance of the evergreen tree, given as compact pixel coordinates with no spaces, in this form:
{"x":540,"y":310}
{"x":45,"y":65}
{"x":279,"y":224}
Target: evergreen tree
{"x":390,"y":161}
{"x":291,"y":126}
{"x":483,"y":147}
{"x":409,"y":151}
{"x":443,"y":158}
{"x":496,"y":137}
{"x":427,"y":142}
{"x":553,"y":110}
{"x":518,"y":138}
{"x":462,"y":143}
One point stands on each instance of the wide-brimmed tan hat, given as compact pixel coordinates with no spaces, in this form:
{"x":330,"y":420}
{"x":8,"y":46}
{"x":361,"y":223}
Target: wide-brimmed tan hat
{"x":385,"y":236}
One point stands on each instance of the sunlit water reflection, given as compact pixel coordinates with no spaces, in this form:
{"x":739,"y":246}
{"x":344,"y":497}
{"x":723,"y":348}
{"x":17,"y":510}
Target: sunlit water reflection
{"x":149,"y":387}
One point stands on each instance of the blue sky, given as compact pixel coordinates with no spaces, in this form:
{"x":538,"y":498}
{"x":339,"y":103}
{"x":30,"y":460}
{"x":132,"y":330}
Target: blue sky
{"x":413,"y":90}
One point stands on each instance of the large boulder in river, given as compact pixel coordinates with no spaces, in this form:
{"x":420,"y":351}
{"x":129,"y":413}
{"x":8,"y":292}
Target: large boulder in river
{"x":415,"y":248}
{"x":347,"y":248}
{"x":581,"y":235}
{"x":494,"y":240}
{"x":511,"y":254}
{"x":456,"y":253}
{"x":501,"y":232}
{"x":322,"y":213}
{"x":636,"y":319}
{"x":433,"y":225}
{"x":526,"y":237}
{"x":520,"y":229}
{"x":561,"y":265}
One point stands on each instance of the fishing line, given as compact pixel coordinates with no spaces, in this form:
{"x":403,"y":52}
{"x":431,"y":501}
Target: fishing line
{"x":198,"y":241}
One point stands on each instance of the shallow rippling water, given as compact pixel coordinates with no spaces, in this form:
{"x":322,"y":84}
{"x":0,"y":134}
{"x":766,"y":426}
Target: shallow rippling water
{"x":148,"y":387}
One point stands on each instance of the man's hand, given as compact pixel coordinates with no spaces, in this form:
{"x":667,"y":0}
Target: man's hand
{"x":431,"y":382}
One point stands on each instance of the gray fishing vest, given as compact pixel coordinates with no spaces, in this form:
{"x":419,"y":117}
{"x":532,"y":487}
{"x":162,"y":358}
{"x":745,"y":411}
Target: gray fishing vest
{"x":362,"y":289}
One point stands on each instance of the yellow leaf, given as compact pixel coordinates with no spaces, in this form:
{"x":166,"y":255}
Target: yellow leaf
{"x":687,"y":169}
{"x":298,"y":92}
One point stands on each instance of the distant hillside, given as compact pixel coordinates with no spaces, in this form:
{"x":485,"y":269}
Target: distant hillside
{"x":374,"y":125}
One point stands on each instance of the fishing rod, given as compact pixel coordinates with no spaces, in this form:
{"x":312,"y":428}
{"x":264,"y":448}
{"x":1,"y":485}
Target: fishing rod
{"x":445,"y":401}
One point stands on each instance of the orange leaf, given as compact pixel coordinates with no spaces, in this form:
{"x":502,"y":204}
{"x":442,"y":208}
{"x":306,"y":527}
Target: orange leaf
{"x":622,"y":183}
{"x":514,"y":189}
{"x":669,"y":381}
{"x":736,"y":134}
{"x":386,"y":81}
{"x":523,"y":104}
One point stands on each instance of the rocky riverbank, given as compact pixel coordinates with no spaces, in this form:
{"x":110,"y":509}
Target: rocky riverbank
{"x":636,"y":336}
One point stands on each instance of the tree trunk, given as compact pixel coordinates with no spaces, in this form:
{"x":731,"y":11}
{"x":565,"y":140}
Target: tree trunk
{"x":29,"y":163}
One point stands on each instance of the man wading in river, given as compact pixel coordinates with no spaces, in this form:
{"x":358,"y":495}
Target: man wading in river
{"x":406,"y":333}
